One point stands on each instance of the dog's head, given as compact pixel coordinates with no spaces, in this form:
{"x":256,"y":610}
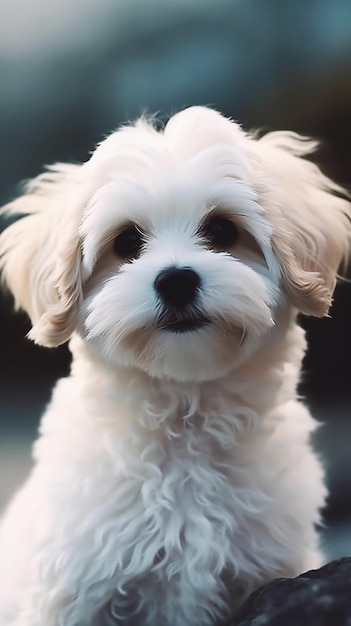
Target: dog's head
{"x":174,"y":251}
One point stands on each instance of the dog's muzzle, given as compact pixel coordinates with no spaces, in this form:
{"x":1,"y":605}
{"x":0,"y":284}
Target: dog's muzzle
{"x":178,"y":289}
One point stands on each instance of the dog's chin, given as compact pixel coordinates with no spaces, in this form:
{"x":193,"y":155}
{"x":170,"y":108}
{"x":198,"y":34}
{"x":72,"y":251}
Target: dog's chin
{"x":189,"y":350}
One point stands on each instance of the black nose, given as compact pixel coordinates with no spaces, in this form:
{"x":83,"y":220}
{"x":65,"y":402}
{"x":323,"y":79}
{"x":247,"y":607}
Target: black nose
{"x":177,"y":286}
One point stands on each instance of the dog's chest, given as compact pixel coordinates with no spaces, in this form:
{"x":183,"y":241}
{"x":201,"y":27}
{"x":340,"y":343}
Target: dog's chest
{"x":191,"y":520}
{"x":193,"y":501}
{"x":177,"y":509}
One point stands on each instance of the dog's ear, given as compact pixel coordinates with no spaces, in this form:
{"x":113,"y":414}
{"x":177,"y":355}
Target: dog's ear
{"x":310,"y":216}
{"x":40,"y":254}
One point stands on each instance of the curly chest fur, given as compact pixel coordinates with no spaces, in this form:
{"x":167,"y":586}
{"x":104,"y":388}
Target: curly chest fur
{"x":177,"y":514}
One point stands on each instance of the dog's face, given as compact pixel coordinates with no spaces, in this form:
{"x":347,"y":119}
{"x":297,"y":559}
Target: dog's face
{"x":181,"y":278}
{"x":174,"y":251}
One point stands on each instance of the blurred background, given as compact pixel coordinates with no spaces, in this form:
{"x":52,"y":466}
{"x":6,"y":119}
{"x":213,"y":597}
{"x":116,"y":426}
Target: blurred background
{"x":70,"y":72}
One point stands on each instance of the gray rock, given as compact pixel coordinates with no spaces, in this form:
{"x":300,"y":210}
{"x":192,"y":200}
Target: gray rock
{"x":316,"y":598}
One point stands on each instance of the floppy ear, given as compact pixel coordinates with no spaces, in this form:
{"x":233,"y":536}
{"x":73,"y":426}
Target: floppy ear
{"x":311,"y":220}
{"x":40,"y":254}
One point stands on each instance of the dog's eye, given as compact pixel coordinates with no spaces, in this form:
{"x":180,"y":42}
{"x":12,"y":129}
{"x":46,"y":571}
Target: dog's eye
{"x":221,"y":232}
{"x":128,"y":243}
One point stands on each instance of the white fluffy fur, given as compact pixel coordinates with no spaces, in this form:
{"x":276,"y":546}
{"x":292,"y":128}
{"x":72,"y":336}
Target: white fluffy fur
{"x":173,"y":472}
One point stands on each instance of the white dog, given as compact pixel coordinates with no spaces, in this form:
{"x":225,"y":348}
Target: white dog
{"x":173,"y":473}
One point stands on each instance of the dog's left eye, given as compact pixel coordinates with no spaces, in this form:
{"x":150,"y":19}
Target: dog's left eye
{"x":221,"y":232}
{"x":128,"y":243}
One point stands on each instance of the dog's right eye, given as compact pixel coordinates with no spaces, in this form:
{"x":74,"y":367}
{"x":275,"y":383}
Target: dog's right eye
{"x":128,"y":243}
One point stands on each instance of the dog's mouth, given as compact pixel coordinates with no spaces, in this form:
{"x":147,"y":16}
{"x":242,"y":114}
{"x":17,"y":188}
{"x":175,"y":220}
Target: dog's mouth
{"x":175,"y":323}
